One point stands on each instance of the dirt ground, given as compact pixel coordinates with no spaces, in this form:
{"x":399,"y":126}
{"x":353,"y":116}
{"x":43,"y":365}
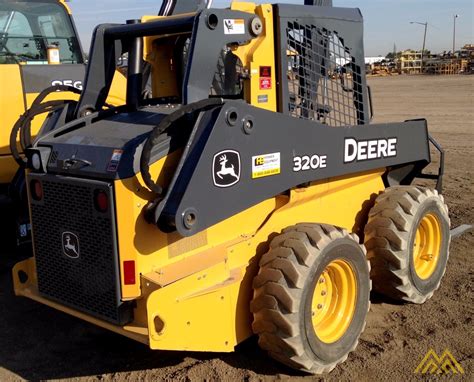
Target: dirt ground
{"x":38,"y":343}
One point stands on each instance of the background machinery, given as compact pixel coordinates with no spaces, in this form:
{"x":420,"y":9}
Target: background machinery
{"x":248,"y":195}
{"x":39,"y":48}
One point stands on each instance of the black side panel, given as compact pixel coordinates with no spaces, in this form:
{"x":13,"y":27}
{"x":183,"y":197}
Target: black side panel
{"x":206,"y":46}
{"x":38,"y":77}
{"x":108,"y":145}
{"x":76,"y":247}
{"x":230,"y":167}
{"x":319,"y":3}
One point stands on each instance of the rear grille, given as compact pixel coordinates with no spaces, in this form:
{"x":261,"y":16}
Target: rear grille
{"x":88,"y":282}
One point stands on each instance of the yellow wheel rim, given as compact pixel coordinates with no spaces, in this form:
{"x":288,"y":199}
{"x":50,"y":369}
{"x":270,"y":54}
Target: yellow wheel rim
{"x":426,"y":246}
{"x":334,"y":301}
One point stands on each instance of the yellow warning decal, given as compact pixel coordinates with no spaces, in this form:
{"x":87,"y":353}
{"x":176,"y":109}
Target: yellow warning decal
{"x":265,"y":165}
{"x":234,"y":26}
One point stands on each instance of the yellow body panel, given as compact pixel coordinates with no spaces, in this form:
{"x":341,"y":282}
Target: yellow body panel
{"x":29,"y":289}
{"x":118,"y":90}
{"x":260,"y":52}
{"x":194,"y":293}
{"x":12,"y":105}
{"x":151,"y":248}
{"x":158,"y":52}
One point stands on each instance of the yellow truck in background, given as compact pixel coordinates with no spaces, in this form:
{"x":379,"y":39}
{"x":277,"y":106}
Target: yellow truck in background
{"x":39,"y":48}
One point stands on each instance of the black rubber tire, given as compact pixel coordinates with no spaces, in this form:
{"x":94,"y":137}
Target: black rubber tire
{"x":389,"y":237}
{"x":283,"y":291}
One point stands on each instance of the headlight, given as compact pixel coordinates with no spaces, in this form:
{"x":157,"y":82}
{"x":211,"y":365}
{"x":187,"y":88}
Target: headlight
{"x":36,"y":161}
{"x":38,"y":158}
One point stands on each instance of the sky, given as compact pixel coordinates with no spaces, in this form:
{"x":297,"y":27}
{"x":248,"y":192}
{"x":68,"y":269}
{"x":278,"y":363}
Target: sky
{"x":387,"y":22}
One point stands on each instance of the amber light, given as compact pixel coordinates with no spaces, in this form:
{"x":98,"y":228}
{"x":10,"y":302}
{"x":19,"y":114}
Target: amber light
{"x":129,"y":272}
{"x":101,"y":201}
{"x":36,"y":189}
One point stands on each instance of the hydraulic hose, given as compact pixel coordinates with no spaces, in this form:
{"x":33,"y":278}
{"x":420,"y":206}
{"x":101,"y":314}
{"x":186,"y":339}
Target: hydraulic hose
{"x":23,"y":124}
{"x":159,"y":129}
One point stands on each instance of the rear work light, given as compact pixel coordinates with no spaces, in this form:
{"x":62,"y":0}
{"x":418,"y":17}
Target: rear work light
{"x":101,"y":201}
{"x":36,"y":190}
{"x":129,"y":272}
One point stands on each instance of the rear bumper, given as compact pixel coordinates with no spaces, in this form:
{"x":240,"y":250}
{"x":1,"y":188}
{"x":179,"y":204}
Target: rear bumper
{"x":25,"y":285}
{"x":197,"y":313}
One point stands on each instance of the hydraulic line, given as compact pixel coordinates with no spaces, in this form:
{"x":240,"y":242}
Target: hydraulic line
{"x":23,"y":124}
{"x":159,"y":129}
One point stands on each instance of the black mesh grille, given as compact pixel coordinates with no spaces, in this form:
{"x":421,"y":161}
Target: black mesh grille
{"x":88,"y":282}
{"x":324,"y":82}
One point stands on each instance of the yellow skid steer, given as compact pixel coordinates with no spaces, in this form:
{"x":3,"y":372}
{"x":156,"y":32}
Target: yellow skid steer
{"x":249,"y":195}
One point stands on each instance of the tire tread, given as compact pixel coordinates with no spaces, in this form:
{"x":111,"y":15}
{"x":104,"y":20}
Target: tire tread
{"x":386,"y":239}
{"x":278,"y":288}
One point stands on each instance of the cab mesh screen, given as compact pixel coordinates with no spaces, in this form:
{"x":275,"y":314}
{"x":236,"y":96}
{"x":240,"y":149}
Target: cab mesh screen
{"x":324,"y":82}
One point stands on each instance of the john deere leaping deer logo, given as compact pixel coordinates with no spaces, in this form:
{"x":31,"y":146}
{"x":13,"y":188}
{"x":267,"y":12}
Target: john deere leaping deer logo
{"x":70,"y":245}
{"x":226,"y":168}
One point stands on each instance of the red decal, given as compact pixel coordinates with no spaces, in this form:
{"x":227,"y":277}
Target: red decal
{"x":265,"y":71}
{"x":265,"y":83}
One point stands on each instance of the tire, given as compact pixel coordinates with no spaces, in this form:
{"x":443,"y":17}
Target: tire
{"x":298,"y":281}
{"x":402,"y":219}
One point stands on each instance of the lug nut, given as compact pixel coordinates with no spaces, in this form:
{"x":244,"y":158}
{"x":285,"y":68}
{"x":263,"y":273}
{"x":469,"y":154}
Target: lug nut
{"x":321,"y":280}
{"x":323,"y":293}
{"x":320,"y":306}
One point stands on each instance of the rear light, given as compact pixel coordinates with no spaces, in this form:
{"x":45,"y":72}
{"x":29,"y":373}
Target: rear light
{"x":101,"y":201}
{"x":36,"y":190}
{"x":129,"y":272}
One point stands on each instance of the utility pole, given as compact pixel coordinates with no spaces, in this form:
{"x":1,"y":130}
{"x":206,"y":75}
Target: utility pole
{"x":425,"y":24}
{"x":454,"y":33}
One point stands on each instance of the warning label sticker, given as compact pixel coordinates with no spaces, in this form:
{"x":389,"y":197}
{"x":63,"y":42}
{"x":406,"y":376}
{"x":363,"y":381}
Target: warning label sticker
{"x":115,"y":160}
{"x":234,"y":26}
{"x":265,"y":165}
{"x":265,"y":83}
{"x":265,"y":77}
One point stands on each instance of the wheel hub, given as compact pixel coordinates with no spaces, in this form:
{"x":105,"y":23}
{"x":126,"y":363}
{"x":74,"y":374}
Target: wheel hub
{"x":426,"y":246}
{"x":334,"y":301}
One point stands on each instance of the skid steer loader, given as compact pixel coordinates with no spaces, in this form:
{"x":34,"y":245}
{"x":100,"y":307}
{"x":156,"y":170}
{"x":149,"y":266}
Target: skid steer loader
{"x":249,"y":195}
{"x":39,"y":49}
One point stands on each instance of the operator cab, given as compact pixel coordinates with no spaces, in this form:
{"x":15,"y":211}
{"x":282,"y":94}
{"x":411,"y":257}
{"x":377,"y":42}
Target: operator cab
{"x":29,"y":28}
